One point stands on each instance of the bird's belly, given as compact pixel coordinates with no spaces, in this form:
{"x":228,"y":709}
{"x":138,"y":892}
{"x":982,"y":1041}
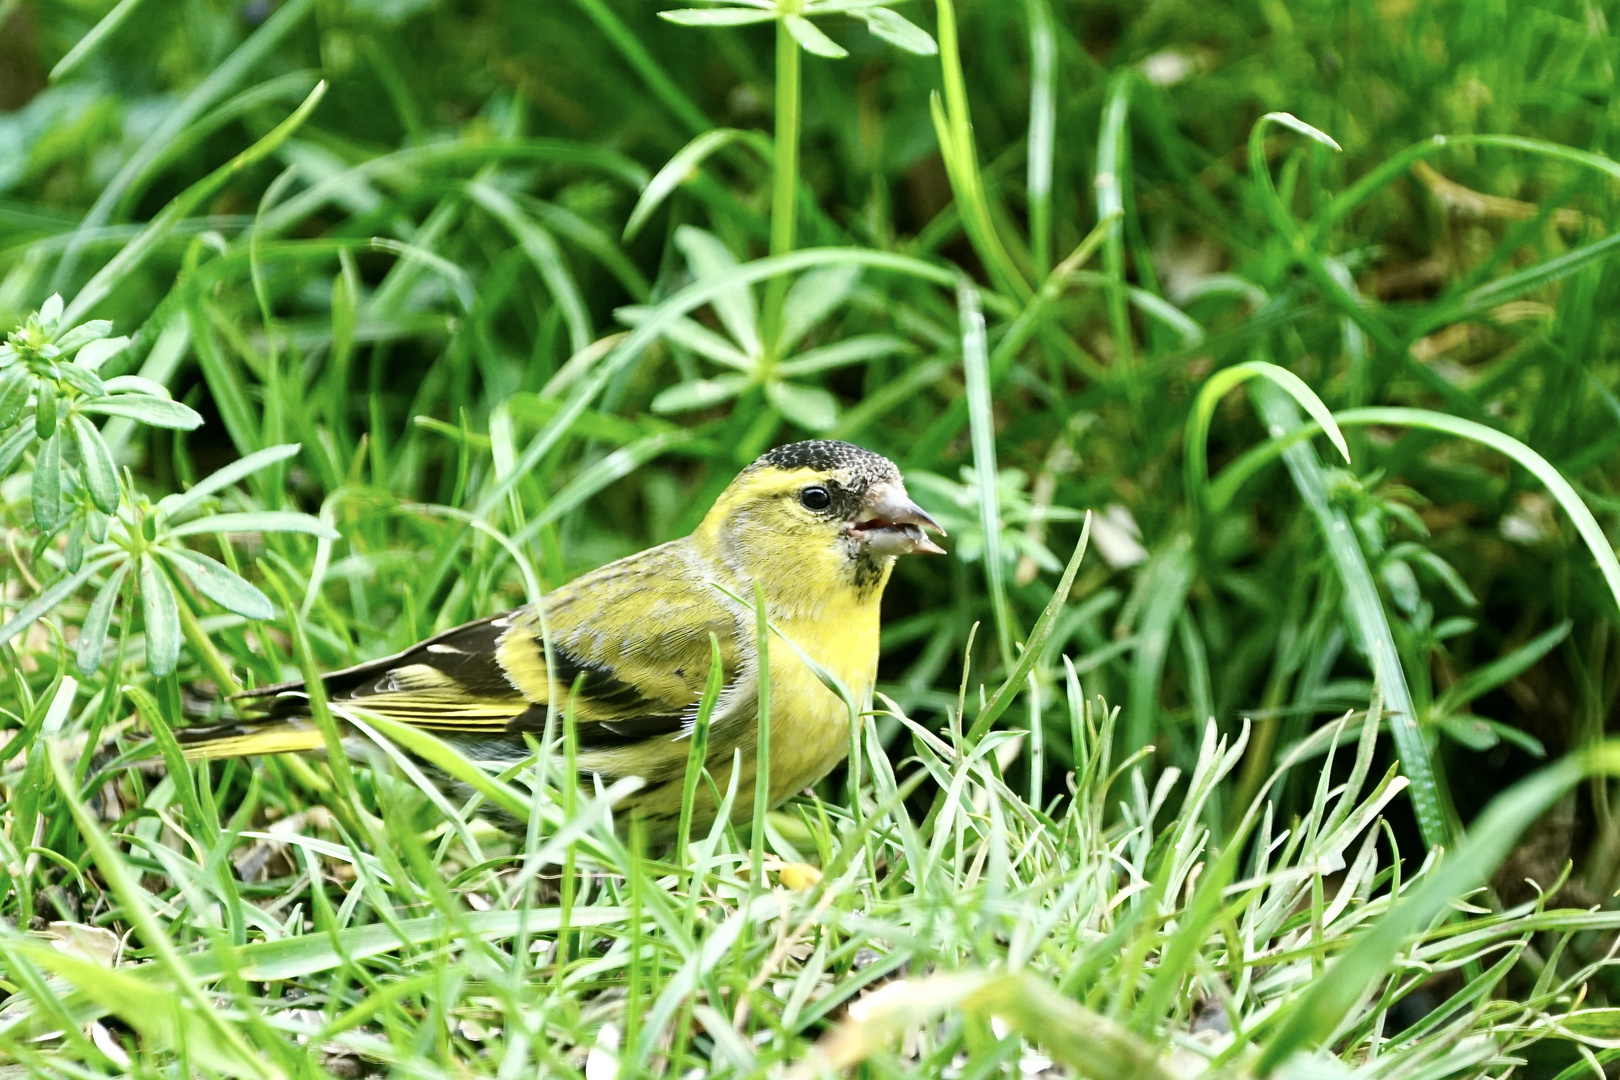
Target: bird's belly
{"x":809,"y":730}
{"x":810,"y":723}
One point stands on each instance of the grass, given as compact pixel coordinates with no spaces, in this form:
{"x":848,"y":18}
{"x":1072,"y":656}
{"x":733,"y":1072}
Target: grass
{"x":436,"y":308}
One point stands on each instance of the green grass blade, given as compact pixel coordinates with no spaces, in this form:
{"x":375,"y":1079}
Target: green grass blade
{"x":1038,"y":637}
{"x":1429,"y":799}
{"x":203,"y":96}
{"x":1042,"y":130}
{"x":954,"y":128}
{"x":104,"y":28}
{"x":982,"y":425}
{"x":1314,"y":1016}
{"x":1110,"y":181}
{"x":1195,"y":449}
{"x":137,"y":250}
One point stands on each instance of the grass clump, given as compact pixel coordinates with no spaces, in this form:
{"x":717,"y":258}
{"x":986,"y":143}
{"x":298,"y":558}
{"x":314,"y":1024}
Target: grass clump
{"x":340,"y":324}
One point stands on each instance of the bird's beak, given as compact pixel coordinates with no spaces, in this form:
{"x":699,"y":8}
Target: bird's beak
{"x":889,"y":523}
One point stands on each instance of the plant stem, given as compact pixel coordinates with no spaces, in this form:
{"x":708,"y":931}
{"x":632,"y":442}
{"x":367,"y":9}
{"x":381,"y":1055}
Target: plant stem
{"x":785,"y":181}
{"x":114,"y":691}
{"x":199,"y":641}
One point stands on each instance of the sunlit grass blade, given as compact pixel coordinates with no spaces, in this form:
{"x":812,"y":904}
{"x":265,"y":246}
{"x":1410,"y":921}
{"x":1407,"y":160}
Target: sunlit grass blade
{"x":1042,"y":130}
{"x":698,"y":751}
{"x":1317,"y":1013}
{"x":1044,"y":626}
{"x":134,"y":902}
{"x":1195,"y":448}
{"x":1167,"y":577}
{"x":1110,"y":184}
{"x":982,"y":425}
{"x":138,"y":249}
{"x":954,"y":128}
{"x":1429,"y":800}
{"x":105,"y":28}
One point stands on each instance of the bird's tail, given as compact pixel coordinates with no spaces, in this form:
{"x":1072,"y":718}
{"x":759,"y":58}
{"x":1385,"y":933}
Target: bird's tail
{"x":238,"y":738}
{"x":267,"y":720}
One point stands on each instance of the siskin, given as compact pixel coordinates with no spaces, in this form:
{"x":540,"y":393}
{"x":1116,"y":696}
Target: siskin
{"x":816,"y":524}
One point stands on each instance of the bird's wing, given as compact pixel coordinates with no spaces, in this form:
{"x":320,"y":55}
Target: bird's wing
{"x":630,"y":640}
{"x":636,"y":632}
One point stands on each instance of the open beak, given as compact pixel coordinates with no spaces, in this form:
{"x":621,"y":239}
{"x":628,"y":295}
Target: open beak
{"x":889,"y":523}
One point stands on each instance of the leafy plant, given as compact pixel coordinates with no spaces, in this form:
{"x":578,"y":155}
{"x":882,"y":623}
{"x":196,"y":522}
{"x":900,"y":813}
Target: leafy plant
{"x":141,"y":544}
{"x":752,"y":365}
{"x":956,"y":506}
{"x":795,"y":16}
{"x":50,"y":389}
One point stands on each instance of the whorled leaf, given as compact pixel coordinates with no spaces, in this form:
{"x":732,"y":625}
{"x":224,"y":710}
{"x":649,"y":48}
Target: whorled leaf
{"x":93,"y":633}
{"x":84,"y":381}
{"x":1447,"y":574}
{"x":82,"y":335}
{"x":699,"y":393}
{"x":1482,"y":680}
{"x":725,"y":16}
{"x":812,"y":298}
{"x":160,"y":610}
{"x":96,"y":463}
{"x":44,"y":408}
{"x":73,"y":552}
{"x":219,"y":583}
{"x":47,"y":484}
{"x":1402,"y":584}
{"x":1470,"y":731}
{"x":135,"y":384}
{"x":14,"y":385}
{"x":900,"y":32}
{"x":98,"y":352}
{"x":49,"y":597}
{"x":12,"y":448}
{"x":811,"y":38}
{"x":849,"y":351}
{"x":181,"y":503}
{"x":711,"y":260}
{"x":157,"y":412}
{"x":691,"y":334}
{"x":808,"y":406}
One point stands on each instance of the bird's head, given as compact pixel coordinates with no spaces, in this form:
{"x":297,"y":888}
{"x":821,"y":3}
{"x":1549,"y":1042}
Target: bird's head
{"x":815,"y":514}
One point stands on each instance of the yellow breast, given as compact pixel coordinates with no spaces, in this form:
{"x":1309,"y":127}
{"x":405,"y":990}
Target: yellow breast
{"x":809,"y":723}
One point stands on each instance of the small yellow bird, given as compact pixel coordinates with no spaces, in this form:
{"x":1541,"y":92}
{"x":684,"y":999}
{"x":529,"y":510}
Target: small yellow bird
{"x":817,"y":524}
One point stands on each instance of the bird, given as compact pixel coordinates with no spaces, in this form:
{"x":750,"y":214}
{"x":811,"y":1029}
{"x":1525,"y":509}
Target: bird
{"x":816,"y":525}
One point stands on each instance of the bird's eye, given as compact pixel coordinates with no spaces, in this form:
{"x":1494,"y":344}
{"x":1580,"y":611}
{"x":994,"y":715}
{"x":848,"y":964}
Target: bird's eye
{"x":815,"y":498}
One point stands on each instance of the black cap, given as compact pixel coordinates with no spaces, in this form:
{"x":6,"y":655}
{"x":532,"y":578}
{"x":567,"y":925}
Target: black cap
{"x":827,"y":455}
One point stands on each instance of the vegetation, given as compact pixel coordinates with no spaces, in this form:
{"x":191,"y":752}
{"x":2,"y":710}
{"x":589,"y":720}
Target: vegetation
{"x":340,"y":323}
